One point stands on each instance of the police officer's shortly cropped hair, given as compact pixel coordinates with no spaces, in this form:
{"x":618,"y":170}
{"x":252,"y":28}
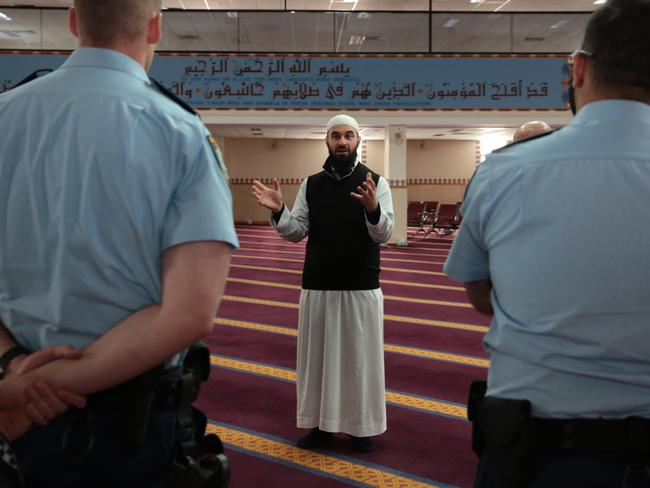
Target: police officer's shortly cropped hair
{"x":618,"y":35}
{"x":106,"y":21}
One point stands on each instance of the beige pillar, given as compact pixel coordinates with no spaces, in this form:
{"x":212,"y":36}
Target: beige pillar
{"x":395,"y":171}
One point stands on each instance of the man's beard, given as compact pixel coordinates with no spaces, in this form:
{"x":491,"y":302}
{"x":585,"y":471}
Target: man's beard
{"x":342,"y":165}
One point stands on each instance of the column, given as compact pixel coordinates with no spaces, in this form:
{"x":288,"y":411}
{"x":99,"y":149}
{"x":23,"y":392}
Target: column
{"x":395,"y":172}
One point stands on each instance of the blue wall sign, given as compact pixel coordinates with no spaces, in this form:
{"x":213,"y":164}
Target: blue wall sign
{"x":343,"y":82}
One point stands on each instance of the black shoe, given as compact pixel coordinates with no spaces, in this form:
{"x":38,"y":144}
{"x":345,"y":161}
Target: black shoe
{"x":362,"y":444}
{"x":315,"y":438}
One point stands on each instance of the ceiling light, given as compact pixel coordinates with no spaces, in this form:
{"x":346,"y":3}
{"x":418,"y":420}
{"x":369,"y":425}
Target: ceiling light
{"x":599,"y":2}
{"x":231,"y":15}
{"x":356,"y":40}
{"x":353,"y":3}
{"x":475,"y":1}
{"x":451,"y":23}
{"x":5,"y":17}
{"x":559,"y":24}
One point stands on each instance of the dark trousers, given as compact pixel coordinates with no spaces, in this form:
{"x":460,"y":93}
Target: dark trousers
{"x":553,"y":470}
{"x":8,"y":476}
{"x":44,"y":463}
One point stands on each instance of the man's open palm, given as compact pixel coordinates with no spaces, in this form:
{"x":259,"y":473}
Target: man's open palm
{"x":270,"y":198}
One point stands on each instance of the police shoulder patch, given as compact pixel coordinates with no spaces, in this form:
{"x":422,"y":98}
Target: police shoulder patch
{"x":218,"y":155}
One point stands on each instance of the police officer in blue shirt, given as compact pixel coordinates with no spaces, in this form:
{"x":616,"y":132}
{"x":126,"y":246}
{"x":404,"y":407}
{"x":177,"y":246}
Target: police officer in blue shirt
{"x":115,"y":237}
{"x":554,"y":244}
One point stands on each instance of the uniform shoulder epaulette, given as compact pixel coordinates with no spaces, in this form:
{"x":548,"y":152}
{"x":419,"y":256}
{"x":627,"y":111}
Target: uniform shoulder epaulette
{"x":173,"y":97}
{"x":36,"y":74}
{"x":538,"y":136}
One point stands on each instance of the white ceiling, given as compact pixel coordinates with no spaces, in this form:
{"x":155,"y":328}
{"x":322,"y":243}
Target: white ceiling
{"x":438,"y":5}
{"x":483,"y":125}
{"x":379,"y":32}
{"x":367,"y":132}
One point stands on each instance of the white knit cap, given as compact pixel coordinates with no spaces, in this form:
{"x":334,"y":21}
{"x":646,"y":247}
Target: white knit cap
{"x":342,"y":119}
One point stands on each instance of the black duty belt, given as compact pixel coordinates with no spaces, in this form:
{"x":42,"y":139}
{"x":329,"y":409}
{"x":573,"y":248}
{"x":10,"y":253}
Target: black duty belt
{"x":607,"y":436}
{"x":163,"y":384}
{"x":502,"y":423}
{"x":510,"y":436}
{"x":133,"y":403}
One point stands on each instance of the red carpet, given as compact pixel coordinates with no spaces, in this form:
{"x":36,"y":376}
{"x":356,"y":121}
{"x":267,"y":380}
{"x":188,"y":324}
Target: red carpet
{"x":430,"y":361}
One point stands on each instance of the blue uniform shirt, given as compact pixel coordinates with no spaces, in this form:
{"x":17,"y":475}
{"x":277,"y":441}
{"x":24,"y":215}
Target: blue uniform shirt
{"x":99,"y":174}
{"x":561,"y":226}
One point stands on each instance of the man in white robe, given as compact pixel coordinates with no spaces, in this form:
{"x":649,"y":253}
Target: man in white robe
{"x":347,"y":211}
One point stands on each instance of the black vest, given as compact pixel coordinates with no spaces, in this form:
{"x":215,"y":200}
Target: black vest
{"x":341,"y":255}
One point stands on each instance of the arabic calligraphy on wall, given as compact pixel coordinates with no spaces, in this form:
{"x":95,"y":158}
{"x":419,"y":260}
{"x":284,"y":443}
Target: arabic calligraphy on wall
{"x":336,"y":82}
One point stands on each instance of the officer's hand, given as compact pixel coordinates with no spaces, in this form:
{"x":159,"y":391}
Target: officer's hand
{"x":42,"y":406}
{"x":24,"y":363}
{"x":270,"y":198}
{"x":25,"y":401}
{"x":366,"y":194}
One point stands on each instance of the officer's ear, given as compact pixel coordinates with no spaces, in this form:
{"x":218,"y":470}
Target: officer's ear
{"x":579,"y":71}
{"x":154,"y":30}
{"x":72,"y":22}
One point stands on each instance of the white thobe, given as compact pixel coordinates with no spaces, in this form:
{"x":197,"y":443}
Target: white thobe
{"x":340,"y":366}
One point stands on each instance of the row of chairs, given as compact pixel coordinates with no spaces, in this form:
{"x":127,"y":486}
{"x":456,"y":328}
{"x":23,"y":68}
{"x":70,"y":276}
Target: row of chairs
{"x":429,"y":216}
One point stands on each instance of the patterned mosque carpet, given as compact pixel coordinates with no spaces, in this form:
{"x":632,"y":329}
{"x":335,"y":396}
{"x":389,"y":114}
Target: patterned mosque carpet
{"x":433,"y":351}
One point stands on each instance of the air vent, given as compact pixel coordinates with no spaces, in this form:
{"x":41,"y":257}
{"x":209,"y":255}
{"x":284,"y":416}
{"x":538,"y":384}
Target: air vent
{"x":16,"y":33}
{"x":534,"y":39}
{"x":375,"y":38}
{"x":187,"y":37}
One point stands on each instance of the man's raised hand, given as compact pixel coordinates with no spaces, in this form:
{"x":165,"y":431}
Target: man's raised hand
{"x":366,"y":194}
{"x":270,"y":198}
